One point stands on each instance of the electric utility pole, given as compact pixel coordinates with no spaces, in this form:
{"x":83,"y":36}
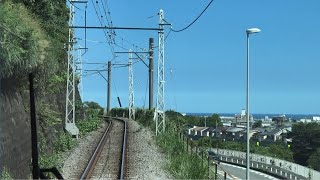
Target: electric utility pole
{"x":109,"y":88}
{"x":131,"y":90}
{"x":151,"y":73}
{"x":160,"y":109}
{"x":80,"y":85}
{"x":70,"y":94}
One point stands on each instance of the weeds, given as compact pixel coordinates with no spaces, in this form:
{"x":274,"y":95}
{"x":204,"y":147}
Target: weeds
{"x":88,"y":125}
{"x":181,"y":164}
{"x":5,"y":174}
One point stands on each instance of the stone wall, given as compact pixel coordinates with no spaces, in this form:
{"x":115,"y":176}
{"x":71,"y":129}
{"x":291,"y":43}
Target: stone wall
{"x":15,"y":135}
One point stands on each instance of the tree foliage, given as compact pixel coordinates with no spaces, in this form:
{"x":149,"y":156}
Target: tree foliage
{"x":305,"y":141}
{"x":279,"y":151}
{"x":314,"y":160}
{"x":257,"y":124}
{"x":32,"y":39}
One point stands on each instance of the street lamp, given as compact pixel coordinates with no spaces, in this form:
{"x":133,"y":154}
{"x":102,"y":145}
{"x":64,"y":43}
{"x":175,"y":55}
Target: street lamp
{"x":248,"y":31}
{"x":205,"y":121}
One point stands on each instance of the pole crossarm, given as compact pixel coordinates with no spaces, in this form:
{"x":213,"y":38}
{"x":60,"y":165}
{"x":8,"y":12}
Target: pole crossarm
{"x":136,"y":53}
{"x":98,"y":70}
{"x":78,"y":2}
{"x":116,"y":28}
{"x":122,"y":52}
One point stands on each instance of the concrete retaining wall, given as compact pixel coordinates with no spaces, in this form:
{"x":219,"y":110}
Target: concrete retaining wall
{"x":272,"y":165}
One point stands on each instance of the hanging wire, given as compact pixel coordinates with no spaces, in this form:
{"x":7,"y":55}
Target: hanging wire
{"x":193,"y":20}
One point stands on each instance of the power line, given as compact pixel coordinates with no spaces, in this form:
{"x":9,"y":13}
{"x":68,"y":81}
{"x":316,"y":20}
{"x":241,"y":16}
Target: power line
{"x":75,"y":5}
{"x":102,"y":24}
{"x":193,"y":20}
{"x":112,"y":33}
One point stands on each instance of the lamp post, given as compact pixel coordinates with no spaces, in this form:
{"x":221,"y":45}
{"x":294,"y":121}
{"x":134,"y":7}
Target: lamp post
{"x":205,"y":121}
{"x":248,"y":31}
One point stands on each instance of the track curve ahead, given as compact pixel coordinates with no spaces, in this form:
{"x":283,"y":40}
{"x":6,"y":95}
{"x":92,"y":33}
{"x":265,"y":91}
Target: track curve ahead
{"x":108,"y":159}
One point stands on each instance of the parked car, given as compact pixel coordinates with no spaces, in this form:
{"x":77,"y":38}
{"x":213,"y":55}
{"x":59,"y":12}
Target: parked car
{"x":214,"y":156}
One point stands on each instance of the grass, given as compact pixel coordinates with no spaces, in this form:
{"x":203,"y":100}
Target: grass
{"x":5,"y":174}
{"x":180,"y":164}
{"x":89,"y":125}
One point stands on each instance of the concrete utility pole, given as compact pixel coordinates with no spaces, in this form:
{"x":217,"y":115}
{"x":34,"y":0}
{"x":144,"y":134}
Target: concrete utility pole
{"x":80,"y":85}
{"x":70,"y":125}
{"x":151,"y":70}
{"x":131,"y":90}
{"x":109,"y":88}
{"x":160,"y":109}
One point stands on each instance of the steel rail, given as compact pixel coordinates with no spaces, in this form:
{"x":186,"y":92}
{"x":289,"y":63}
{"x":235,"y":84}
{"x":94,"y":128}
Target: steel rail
{"x":90,"y":167}
{"x":123,"y":151}
{"x":95,"y":156}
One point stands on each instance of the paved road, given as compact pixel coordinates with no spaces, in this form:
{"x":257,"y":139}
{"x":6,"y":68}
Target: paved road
{"x":240,"y":173}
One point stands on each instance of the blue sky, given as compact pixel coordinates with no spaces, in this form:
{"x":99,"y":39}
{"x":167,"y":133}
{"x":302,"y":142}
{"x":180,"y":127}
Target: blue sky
{"x":205,"y":65}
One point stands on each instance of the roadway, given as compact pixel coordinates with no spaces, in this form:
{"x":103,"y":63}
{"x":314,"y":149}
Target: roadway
{"x":239,"y":173}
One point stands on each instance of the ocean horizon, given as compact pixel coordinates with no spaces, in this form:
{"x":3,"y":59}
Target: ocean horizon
{"x":261,"y":115}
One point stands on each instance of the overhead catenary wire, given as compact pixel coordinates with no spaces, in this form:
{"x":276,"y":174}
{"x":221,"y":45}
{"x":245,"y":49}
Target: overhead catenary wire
{"x":102,"y":24}
{"x":71,"y":2}
{"x":193,"y":20}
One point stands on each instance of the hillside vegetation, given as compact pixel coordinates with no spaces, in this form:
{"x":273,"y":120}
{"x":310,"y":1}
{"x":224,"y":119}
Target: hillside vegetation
{"x":32,"y":38}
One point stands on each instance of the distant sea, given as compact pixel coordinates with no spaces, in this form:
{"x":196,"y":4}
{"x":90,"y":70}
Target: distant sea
{"x":261,"y":116}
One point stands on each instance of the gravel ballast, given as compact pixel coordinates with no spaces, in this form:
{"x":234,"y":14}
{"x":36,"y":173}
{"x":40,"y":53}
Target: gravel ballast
{"x":79,"y":157}
{"x":144,"y":160}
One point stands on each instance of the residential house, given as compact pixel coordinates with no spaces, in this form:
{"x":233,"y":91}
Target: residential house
{"x":270,"y":135}
{"x":234,"y":133}
{"x":219,"y":132}
{"x":279,"y":120}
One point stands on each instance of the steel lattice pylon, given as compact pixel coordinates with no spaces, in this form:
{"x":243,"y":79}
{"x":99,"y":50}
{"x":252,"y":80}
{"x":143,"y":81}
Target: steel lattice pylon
{"x":160,"y":109}
{"x":131,"y":90}
{"x":70,"y":95}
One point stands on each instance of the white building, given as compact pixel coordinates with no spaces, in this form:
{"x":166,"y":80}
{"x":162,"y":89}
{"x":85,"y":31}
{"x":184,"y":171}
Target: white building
{"x":316,"y":118}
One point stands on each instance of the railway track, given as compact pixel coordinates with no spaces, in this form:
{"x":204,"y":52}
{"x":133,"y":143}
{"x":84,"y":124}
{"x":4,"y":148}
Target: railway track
{"x":108,"y":159}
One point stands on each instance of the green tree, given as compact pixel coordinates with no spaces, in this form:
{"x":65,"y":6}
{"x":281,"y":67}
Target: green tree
{"x":305,"y":141}
{"x":257,"y":124}
{"x":215,"y":119}
{"x":280,"y":151}
{"x":314,"y":160}
{"x":91,"y":107}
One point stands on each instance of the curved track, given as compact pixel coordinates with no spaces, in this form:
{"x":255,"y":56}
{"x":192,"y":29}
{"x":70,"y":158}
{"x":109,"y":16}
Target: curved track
{"x":108,"y":160}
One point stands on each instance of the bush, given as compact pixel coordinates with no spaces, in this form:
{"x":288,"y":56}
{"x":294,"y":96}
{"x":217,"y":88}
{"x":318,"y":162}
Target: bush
{"x":91,"y":123}
{"x":23,"y":41}
{"x":5,"y":174}
{"x":49,"y":160}
{"x":181,"y":164}
{"x":88,"y":125}
{"x":64,"y":143}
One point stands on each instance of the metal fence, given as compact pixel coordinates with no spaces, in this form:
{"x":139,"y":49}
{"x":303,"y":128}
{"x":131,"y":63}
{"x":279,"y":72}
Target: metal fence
{"x":285,"y":167}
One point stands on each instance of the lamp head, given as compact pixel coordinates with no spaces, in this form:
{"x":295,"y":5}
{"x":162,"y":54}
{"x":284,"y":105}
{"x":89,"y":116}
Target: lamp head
{"x":253,"y":30}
